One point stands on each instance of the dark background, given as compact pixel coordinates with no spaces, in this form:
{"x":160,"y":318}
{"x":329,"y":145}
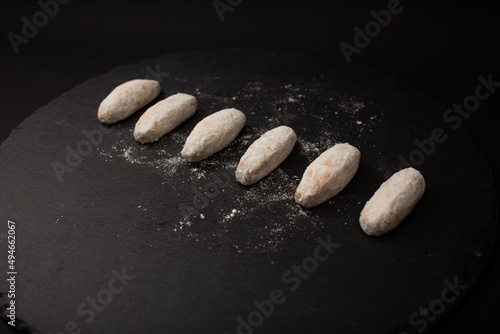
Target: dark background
{"x":439,"y":49}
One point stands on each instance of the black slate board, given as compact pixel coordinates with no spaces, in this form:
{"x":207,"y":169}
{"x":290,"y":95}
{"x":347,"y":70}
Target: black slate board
{"x":201,"y":270}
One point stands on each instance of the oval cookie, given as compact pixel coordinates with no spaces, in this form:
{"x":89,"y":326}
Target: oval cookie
{"x":326,"y":176}
{"x":265,"y":154}
{"x":212,"y":134}
{"x":126,"y":99}
{"x":163,"y":117}
{"x":392,"y":202}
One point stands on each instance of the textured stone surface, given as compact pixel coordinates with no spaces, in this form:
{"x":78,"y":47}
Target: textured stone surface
{"x":199,"y":269}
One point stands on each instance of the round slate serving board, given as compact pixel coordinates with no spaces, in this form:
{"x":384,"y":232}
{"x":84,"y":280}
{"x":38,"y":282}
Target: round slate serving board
{"x":118,"y":237}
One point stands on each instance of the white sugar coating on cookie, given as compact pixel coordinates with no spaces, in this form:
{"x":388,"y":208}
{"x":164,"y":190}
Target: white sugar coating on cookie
{"x":126,"y":99}
{"x":265,"y":154}
{"x":392,"y":202}
{"x":172,"y":172}
{"x":326,"y":176}
{"x":163,"y":117}
{"x":212,"y":134}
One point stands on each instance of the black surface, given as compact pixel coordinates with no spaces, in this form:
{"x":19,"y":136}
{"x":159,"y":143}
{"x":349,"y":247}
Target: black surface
{"x":120,"y":206}
{"x":439,"y":48}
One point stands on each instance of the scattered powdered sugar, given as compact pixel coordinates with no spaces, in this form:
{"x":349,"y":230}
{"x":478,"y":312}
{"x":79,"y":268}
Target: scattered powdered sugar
{"x":230,"y":215}
{"x":178,"y":137}
{"x":136,"y":154}
{"x":255,"y":86}
{"x":266,"y":212}
{"x":348,"y":104}
{"x":313,"y":149}
{"x":214,"y":208}
{"x":277,"y":186}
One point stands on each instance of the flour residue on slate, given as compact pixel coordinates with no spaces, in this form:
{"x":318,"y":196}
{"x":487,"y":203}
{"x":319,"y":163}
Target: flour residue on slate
{"x":348,"y":104}
{"x":312,"y":149}
{"x":273,"y":193}
{"x":134,"y":153}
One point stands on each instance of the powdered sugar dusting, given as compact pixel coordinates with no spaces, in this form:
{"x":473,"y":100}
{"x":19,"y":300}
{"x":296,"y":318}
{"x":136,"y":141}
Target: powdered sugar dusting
{"x":312,"y":149}
{"x":136,"y":154}
{"x":348,"y":104}
{"x":212,"y":207}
